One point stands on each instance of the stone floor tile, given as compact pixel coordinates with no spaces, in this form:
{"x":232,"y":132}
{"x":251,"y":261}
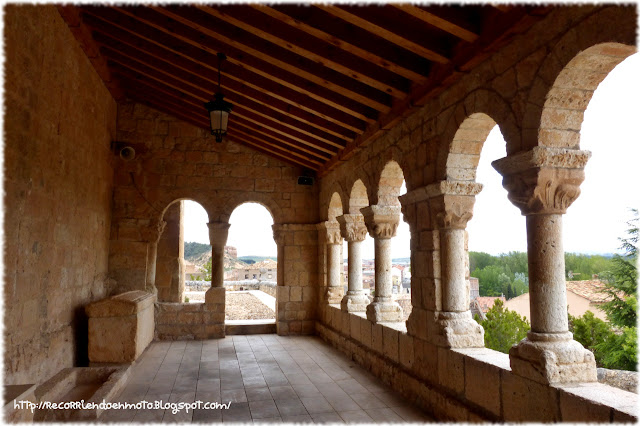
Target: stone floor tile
{"x":268,"y":420}
{"x":227,"y":384}
{"x":180,"y":417}
{"x":319,"y":377}
{"x":182,"y":397}
{"x":329,"y":389}
{"x":209,"y":396}
{"x":390,"y":399}
{"x":304,"y":418}
{"x":297,"y":378}
{"x":385,"y":415}
{"x":206,"y":416}
{"x":316,"y":405}
{"x":233,"y":395}
{"x":238,"y":412}
{"x":411,"y":414}
{"x":342,"y":403}
{"x":367,"y":400}
{"x":263,"y":409}
{"x":258,"y":393}
{"x":290,"y":407}
{"x":283,"y":392}
{"x":305,"y":391}
{"x":155,"y":415}
{"x":327,"y":418}
{"x":117,"y":416}
{"x":355,"y":416}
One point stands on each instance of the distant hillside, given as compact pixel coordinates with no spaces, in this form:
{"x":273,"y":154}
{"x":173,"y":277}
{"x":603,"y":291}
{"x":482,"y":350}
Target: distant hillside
{"x":255,"y":259}
{"x":192,"y":251}
{"x":401,"y":260}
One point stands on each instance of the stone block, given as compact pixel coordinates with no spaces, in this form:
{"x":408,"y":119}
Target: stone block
{"x":390,"y":340}
{"x":376,"y":338}
{"x":405,"y":350}
{"x":482,"y":383}
{"x":524,"y":400}
{"x":365,"y":332}
{"x":120,"y":327}
{"x":295,"y":294}
{"x":451,"y":370}
{"x":354,"y":328}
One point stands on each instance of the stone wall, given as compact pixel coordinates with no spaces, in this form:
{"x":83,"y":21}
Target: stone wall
{"x":59,"y":123}
{"x":176,"y":160}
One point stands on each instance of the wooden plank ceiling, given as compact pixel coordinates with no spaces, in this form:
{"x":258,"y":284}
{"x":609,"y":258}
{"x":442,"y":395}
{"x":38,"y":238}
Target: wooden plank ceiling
{"x":309,"y":84}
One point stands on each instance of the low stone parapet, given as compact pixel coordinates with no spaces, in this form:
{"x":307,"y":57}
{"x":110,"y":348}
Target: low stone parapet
{"x":466,"y":385}
{"x":120,"y":327}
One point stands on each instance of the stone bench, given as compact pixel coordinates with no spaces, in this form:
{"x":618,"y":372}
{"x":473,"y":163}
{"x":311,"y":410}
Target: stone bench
{"x":120,"y":327}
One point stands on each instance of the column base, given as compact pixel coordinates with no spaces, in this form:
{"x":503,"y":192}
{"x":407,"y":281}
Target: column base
{"x":334,"y":295}
{"x":552,"y":358}
{"x":457,"y":330}
{"x":384,"y":310}
{"x":354,"y":301}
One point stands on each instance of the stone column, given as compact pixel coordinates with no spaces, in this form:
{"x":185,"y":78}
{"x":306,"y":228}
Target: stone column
{"x":354,"y":231}
{"x":279,"y":238}
{"x":152,"y":235}
{"x":543,"y":183}
{"x":218,"y":232}
{"x":451,"y":204}
{"x":333,"y":241}
{"x":382,"y":222}
{"x":170,"y":277}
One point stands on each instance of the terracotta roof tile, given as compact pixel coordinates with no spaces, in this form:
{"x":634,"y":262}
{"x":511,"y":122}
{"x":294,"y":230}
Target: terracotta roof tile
{"x":590,"y":290}
{"x":486,"y":302}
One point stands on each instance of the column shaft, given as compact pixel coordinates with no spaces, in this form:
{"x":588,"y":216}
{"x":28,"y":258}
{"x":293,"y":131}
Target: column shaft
{"x":217,"y":266}
{"x":383,"y":269}
{"x":547,"y":289}
{"x":455,"y":297}
{"x":333,"y":265}
{"x":355,"y":267}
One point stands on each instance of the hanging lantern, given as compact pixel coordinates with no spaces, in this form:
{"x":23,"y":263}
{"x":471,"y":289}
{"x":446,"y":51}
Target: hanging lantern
{"x":219,"y":109}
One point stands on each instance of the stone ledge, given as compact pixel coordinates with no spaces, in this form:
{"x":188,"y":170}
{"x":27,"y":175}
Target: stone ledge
{"x":125,"y":304}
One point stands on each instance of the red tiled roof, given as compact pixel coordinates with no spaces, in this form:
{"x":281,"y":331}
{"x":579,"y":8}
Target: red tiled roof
{"x":590,"y":290}
{"x":486,"y":302}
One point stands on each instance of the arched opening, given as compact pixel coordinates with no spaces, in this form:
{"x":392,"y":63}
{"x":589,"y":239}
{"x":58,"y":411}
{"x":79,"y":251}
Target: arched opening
{"x":250,"y":266}
{"x":385,"y":219}
{"x":183,"y":251}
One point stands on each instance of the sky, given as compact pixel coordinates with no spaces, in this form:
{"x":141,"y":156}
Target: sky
{"x":592,"y":224}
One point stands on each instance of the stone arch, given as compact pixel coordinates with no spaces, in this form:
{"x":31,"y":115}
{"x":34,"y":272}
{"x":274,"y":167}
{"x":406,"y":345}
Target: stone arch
{"x":358,"y":197}
{"x":223,"y":212}
{"x":389,"y":184}
{"x":335,"y":207}
{"x":571,"y":72}
{"x":466,"y":131}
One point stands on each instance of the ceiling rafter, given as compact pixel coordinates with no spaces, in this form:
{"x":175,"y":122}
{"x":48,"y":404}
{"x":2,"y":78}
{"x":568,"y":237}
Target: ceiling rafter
{"x":436,"y":21}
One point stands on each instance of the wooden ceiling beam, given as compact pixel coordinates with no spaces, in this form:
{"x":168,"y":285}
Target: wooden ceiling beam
{"x":271,"y":110}
{"x":199,"y":62}
{"x":390,"y":59}
{"x":81,"y":32}
{"x":153,"y":28}
{"x":178,"y":111}
{"x":393,"y":37}
{"x":238,"y":112}
{"x":300,"y":43}
{"x":279,"y":57}
{"x":436,"y":21}
{"x":194,"y":104}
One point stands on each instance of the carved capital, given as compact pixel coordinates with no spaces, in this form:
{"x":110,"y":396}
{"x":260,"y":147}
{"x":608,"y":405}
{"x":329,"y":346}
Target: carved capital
{"x":543,"y":180}
{"x":381,"y":221}
{"x":218,"y":233}
{"x":279,"y":235}
{"x":330,"y":230}
{"x":352,"y":227}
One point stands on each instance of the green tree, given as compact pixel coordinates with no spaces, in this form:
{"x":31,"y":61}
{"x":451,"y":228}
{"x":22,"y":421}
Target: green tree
{"x":503,"y":328}
{"x":622,"y":282}
{"x":207,"y":271}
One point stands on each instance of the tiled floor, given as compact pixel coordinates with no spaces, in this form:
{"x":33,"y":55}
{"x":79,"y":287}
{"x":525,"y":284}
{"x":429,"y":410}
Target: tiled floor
{"x":267,"y":378}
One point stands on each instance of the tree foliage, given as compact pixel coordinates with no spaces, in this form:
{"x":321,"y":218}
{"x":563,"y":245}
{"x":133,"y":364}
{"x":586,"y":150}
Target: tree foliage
{"x":622,"y":281}
{"x":503,"y":328}
{"x":207,"y":270}
{"x":615,"y":349}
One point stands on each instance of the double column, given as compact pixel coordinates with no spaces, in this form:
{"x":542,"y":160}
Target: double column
{"x":218,"y":233}
{"x":354,"y":231}
{"x":382,"y":223}
{"x":333,"y":240}
{"x":152,"y":235}
{"x":543,"y":183}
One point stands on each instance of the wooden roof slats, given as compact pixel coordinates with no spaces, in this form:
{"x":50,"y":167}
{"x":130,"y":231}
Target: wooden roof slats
{"x":309,"y":47}
{"x":199,"y":62}
{"x":253,"y":45}
{"x":153,"y":27}
{"x":373,"y":49}
{"x":378,"y":26}
{"x":310,"y":84}
{"x":196,"y":75}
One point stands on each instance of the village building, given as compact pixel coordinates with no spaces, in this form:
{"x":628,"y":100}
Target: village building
{"x":481,"y":305}
{"x":582,"y":296}
{"x":334,"y":106}
{"x":267,"y":270}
